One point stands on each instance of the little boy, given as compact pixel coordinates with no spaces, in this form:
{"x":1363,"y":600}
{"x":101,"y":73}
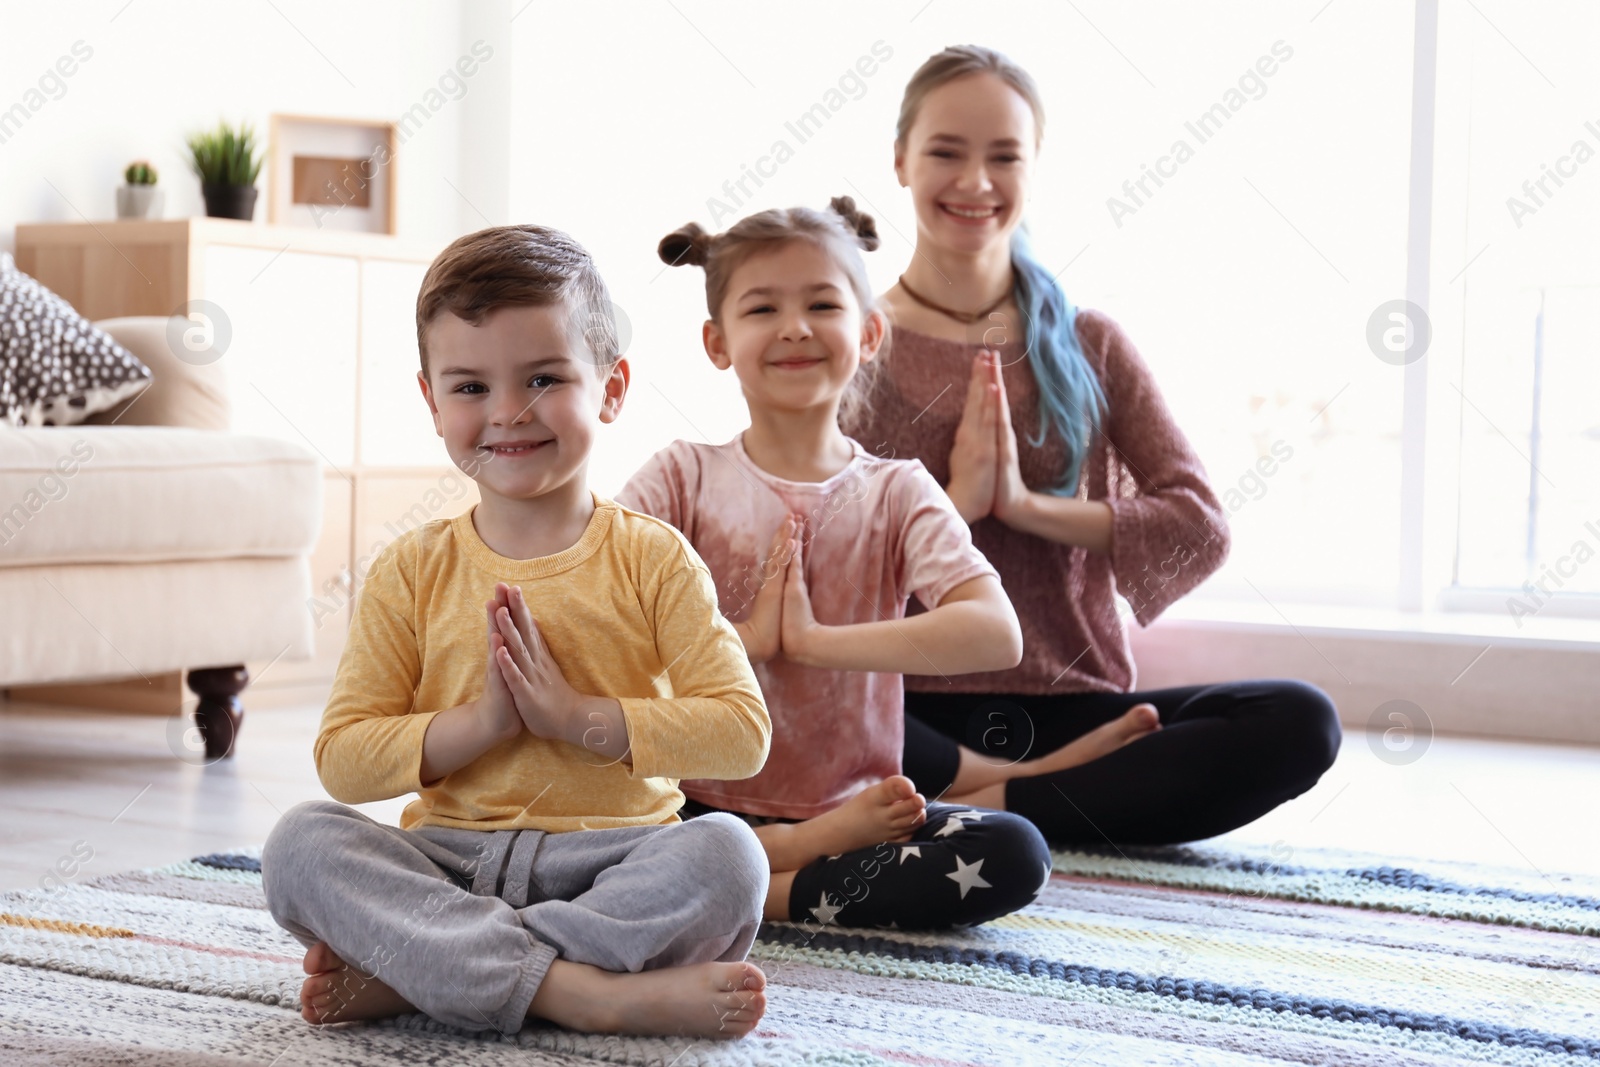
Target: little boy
{"x":541,"y":672}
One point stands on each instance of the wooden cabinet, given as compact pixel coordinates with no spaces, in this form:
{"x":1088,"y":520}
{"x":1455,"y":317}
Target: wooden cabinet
{"x":295,"y":321}
{"x":322,"y":352}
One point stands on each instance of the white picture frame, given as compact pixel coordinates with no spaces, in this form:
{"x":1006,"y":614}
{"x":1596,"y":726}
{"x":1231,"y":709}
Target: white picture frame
{"x":345,"y":172}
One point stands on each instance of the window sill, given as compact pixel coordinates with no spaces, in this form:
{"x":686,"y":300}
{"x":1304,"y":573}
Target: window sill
{"x":1433,"y":627}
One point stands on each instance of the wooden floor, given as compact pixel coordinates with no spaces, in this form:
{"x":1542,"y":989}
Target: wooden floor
{"x":99,"y":793}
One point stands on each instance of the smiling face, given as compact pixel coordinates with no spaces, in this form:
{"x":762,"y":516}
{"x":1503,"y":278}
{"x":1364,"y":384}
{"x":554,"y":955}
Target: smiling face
{"x":517,"y":398}
{"x":967,"y":160}
{"x":792,"y":328}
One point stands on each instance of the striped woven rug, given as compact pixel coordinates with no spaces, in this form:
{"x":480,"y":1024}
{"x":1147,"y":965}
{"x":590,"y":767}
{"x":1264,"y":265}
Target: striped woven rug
{"x":1154,"y":956}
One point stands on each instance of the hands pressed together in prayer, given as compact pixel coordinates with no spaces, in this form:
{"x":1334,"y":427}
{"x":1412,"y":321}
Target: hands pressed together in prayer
{"x":524,"y":689}
{"x":780,"y":619}
{"x":985,"y":478}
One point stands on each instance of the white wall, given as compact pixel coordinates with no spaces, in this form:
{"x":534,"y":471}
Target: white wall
{"x":157,"y":70}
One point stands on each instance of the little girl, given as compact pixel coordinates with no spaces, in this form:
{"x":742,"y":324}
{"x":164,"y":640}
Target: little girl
{"x":815,"y":545}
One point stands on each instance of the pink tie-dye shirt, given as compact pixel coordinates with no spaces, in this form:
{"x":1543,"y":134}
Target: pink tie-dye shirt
{"x":875,"y":533}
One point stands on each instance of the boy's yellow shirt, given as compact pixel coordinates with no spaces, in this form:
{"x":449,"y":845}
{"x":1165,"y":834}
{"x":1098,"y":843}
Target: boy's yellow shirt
{"x":628,"y":612}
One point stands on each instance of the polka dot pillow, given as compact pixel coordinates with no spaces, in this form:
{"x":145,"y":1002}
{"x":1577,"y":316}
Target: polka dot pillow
{"x":56,"y":367}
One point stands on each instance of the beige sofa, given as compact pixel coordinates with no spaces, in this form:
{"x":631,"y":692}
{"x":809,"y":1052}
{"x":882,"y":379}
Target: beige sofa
{"x":152,"y":540}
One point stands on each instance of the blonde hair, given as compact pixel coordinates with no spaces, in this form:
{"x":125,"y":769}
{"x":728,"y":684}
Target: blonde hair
{"x":841,"y":231}
{"x":958,"y":61}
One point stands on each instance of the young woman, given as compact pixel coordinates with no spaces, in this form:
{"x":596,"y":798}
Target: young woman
{"x":1051,"y":438}
{"x":815,"y":547}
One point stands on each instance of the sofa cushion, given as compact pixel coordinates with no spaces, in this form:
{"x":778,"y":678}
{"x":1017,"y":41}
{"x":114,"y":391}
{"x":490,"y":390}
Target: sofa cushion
{"x":56,"y":367}
{"x":120,"y":494}
{"x":186,"y":391}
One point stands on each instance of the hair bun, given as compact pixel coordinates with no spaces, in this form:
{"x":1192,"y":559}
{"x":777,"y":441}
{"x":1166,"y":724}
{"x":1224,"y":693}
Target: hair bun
{"x":684,"y":247}
{"x":860,"y":222}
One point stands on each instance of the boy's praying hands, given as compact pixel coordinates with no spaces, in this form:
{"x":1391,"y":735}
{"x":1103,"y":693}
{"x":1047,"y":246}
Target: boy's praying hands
{"x":523,"y":689}
{"x":542,"y":699}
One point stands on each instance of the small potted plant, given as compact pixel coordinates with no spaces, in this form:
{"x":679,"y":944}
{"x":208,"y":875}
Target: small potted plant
{"x":227,"y":162}
{"x":139,"y":198}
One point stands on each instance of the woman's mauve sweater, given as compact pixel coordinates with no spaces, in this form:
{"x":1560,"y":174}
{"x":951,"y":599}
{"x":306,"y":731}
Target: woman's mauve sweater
{"x":1168,"y":530}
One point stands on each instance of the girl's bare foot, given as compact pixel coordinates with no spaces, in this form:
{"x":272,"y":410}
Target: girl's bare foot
{"x":710,"y":1000}
{"x":337,"y":993}
{"x":887,"y":811}
{"x":1138,"y":721}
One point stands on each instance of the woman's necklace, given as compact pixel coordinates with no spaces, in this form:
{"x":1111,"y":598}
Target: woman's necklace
{"x":959,"y":316}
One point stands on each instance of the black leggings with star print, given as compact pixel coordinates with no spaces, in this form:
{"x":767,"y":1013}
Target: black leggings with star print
{"x":961,"y":867}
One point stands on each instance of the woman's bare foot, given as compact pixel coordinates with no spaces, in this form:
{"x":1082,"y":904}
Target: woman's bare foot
{"x":1138,"y":721}
{"x":981,"y":780}
{"x":710,"y":1000}
{"x":337,"y":993}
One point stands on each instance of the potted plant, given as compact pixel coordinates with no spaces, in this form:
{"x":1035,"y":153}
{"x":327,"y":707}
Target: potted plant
{"x":227,"y":161}
{"x":139,"y":198}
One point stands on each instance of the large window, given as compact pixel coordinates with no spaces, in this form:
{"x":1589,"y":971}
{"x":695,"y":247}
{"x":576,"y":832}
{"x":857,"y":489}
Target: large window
{"x":1526,"y":372}
{"x":1262,"y":290}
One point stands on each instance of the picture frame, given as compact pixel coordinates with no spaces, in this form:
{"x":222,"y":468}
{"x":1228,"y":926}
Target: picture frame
{"x":333,"y":173}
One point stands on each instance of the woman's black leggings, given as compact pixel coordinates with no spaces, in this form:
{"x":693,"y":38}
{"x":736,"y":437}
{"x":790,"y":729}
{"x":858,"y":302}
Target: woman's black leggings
{"x":963,"y":866}
{"x":1226,"y":754}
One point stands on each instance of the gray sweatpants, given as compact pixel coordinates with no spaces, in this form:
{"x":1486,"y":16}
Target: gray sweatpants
{"x":465,"y":923}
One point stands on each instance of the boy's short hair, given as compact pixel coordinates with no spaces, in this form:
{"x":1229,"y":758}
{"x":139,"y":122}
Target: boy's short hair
{"x":520,"y":266}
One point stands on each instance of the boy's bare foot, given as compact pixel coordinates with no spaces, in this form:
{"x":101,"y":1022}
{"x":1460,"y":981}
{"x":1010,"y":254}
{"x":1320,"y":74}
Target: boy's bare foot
{"x":337,"y":993}
{"x":1138,"y":721}
{"x":710,"y":1000}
